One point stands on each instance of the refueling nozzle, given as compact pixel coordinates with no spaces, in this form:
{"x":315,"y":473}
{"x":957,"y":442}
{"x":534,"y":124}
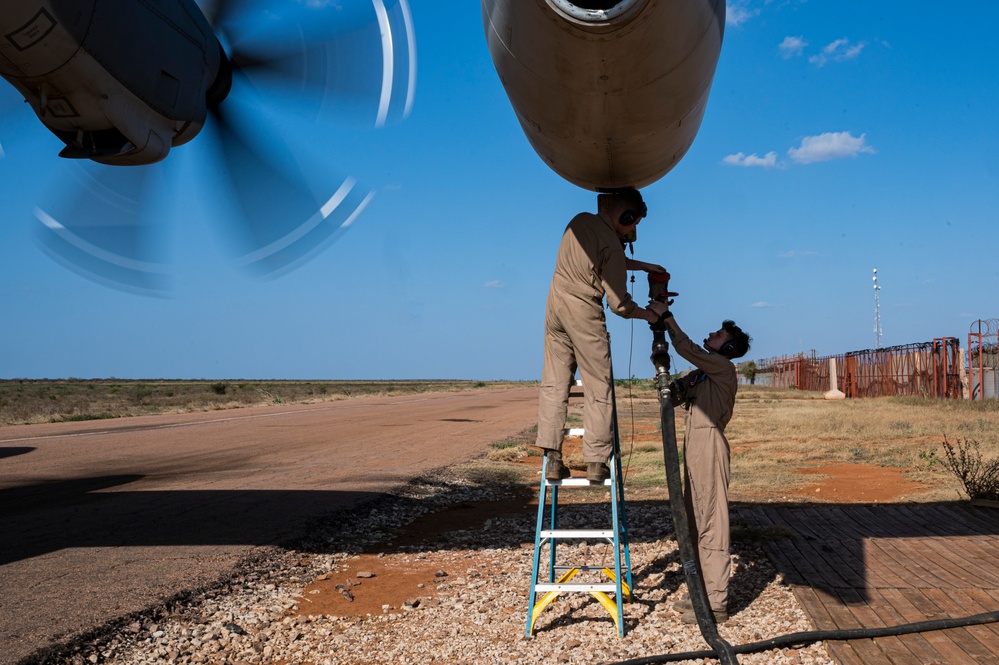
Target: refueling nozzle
{"x":659,"y":291}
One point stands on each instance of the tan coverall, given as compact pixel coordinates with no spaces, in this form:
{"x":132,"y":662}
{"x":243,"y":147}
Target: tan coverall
{"x":706,"y":462}
{"x":590,"y":264}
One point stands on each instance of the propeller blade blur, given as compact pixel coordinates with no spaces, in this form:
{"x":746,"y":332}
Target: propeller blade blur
{"x":280,"y":223}
{"x":286,"y":71}
{"x":345,"y":63}
{"x":99,"y":230}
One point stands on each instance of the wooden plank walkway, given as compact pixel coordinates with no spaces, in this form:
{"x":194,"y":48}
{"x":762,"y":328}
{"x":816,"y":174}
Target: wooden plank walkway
{"x":859,"y":566}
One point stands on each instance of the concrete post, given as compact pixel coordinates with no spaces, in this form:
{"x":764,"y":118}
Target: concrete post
{"x":833,"y":392}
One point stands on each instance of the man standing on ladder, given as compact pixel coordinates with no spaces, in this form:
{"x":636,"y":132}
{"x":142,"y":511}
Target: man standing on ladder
{"x":590,"y":264}
{"x":708,"y":397}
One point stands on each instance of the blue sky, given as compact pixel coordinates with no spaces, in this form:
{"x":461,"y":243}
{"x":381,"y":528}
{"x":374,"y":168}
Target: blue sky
{"x":839,"y":137}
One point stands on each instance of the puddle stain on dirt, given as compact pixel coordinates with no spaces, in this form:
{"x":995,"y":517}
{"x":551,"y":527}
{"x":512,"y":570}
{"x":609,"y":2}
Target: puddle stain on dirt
{"x":399,"y":575}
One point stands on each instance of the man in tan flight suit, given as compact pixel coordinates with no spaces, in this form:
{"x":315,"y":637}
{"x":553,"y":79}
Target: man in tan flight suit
{"x":590,"y":264}
{"x":708,"y":404}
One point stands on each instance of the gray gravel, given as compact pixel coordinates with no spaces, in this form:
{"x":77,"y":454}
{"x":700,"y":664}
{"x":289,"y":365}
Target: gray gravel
{"x":476,"y":613}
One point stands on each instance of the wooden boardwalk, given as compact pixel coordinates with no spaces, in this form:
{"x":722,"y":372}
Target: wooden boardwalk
{"x":859,"y":566}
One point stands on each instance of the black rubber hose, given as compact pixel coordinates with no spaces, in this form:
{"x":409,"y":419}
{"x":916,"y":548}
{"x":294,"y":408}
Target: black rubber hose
{"x":695,"y":585}
{"x":721,"y":649}
{"x":803,"y":638}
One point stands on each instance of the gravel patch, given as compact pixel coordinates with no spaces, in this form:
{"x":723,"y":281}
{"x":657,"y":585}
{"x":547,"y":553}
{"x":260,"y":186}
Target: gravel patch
{"x":474,"y":610}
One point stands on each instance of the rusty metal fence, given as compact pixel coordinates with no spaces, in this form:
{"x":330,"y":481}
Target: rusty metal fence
{"x":929,"y":369}
{"x":983,"y":359}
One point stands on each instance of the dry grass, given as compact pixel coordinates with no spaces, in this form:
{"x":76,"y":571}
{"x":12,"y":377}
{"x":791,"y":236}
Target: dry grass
{"x":772,"y":437}
{"x":776,"y":433}
{"x":24,"y":401}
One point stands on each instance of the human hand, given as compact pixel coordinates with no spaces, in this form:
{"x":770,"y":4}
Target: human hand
{"x":658,"y":308}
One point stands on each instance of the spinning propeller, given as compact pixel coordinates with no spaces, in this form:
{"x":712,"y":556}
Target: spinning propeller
{"x":308,"y":63}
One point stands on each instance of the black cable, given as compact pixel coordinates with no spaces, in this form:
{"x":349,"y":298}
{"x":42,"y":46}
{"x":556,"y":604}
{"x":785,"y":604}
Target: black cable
{"x":631,"y":397}
{"x":803,"y":638}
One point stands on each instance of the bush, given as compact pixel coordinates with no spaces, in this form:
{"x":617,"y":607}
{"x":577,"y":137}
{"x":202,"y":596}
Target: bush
{"x":979,"y":477}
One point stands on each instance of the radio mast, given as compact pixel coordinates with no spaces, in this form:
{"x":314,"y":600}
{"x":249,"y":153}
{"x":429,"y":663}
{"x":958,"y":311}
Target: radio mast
{"x":877,"y":312}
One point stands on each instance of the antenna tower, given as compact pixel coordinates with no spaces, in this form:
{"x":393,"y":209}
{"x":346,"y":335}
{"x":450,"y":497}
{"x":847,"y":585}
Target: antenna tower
{"x":877,"y":312}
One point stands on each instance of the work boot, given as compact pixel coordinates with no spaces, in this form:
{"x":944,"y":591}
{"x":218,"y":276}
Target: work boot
{"x":597,"y":472}
{"x":690,"y":618}
{"x":556,"y":470}
{"x":684,"y":604}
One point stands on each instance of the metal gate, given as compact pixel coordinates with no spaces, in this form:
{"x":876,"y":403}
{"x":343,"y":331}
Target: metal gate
{"x":983,"y":359}
{"x":930,"y":369}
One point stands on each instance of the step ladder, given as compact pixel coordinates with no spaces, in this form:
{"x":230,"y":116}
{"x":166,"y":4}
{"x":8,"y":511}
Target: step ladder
{"x":560,"y":575}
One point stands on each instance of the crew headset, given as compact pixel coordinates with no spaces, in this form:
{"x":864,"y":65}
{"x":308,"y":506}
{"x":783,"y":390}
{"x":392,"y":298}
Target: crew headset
{"x":727,"y":349}
{"x":629,"y":217}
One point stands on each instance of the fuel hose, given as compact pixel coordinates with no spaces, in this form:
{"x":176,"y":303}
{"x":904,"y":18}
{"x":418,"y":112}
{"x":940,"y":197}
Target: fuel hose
{"x":804,"y":638}
{"x":695,"y":584}
{"x":720,"y":649}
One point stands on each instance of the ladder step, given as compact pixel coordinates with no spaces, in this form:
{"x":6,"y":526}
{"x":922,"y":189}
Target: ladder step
{"x":577,"y":533}
{"x":573,"y":431}
{"x":581,"y":569}
{"x":606,"y":588}
{"x":576,"y":482}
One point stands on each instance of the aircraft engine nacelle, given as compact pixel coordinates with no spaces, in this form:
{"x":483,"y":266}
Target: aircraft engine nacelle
{"x":610,"y":93}
{"x":65,"y":58}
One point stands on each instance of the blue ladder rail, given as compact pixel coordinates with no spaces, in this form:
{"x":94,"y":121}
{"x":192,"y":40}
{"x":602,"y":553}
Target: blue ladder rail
{"x":620,"y":576}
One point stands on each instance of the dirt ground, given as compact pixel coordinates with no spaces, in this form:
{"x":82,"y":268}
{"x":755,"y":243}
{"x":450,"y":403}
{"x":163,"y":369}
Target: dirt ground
{"x":127,"y":513}
{"x":392,"y":576}
{"x":392,"y":579}
{"x":144,"y":484}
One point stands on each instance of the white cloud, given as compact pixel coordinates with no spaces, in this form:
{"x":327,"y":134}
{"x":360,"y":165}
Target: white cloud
{"x":838,"y":51}
{"x":853,"y":51}
{"x":495,"y":284}
{"x":768,"y":161}
{"x":792,"y":46}
{"x":792,"y":254}
{"x":763,"y":304}
{"x":736,"y":13}
{"x":831,"y":145}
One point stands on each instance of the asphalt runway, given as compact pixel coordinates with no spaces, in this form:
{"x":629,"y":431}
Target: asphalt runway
{"x":99,"y":519}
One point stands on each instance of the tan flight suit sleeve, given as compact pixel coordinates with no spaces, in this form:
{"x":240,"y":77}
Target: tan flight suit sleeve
{"x":614,"y":278}
{"x":713,"y":407}
{"x":613,"y":272}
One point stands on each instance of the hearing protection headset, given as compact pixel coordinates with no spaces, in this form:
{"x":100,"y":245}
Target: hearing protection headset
{"x":629,"y":217}
{"x":727,"y":349}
